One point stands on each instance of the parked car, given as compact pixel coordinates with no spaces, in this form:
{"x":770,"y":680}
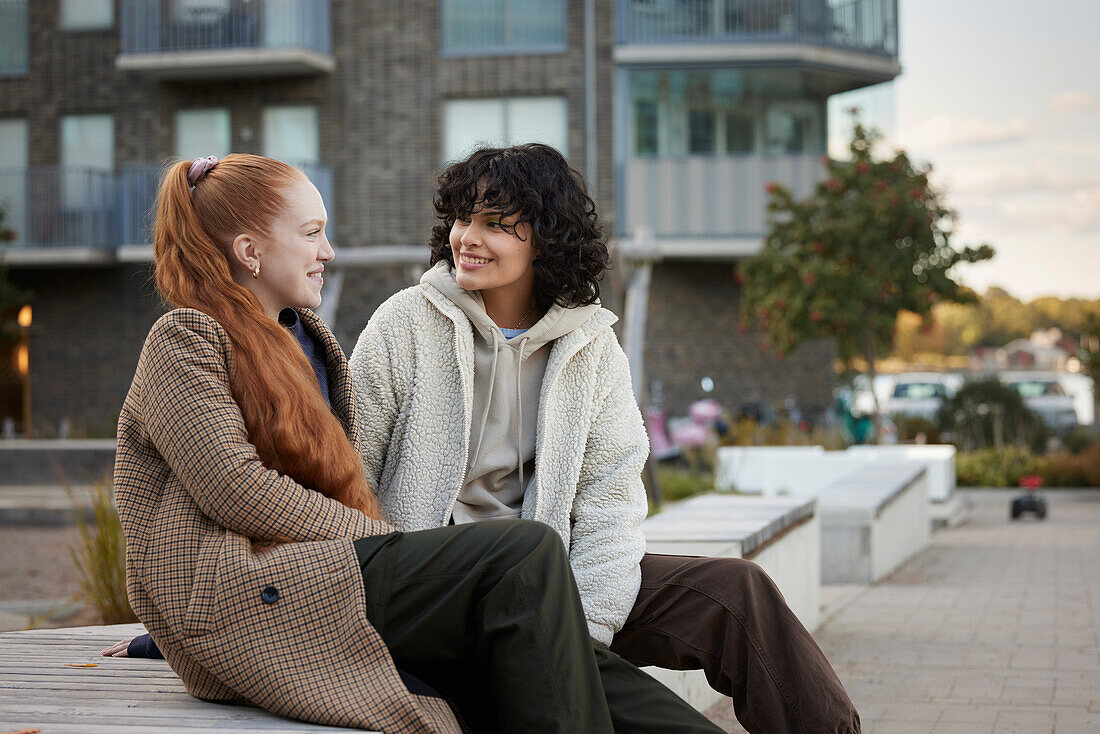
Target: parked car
{"x":921,"y":394}
{"x":1043,"y":393}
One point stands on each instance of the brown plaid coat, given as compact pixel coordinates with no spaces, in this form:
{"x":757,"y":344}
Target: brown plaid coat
{"x":285,"y":628}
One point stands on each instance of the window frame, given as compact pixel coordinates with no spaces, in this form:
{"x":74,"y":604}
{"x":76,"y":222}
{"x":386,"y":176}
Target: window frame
{"x":511,"y":49}
{"x":64,"y":27}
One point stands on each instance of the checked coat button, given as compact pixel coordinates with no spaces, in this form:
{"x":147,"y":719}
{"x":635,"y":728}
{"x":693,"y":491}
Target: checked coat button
{"x":269,"y":595}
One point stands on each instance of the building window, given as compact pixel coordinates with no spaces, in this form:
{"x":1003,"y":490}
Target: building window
{"x":87,"y":159}
{"x":13,"y":177}
{"x":13,"y":37}
{"x":201,"y":133}
{"x":291,"y":134}
{"x":87,"y":14}
{"x":468,"y":123}
{"x":488,"y":27}
{"x":724,"y":111}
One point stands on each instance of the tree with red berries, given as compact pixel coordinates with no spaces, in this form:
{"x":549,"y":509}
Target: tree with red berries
{"x":872,"y":240}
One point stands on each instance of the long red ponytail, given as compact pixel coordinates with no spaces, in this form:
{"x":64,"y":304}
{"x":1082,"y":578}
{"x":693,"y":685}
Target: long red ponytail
{"x":288,"y":421}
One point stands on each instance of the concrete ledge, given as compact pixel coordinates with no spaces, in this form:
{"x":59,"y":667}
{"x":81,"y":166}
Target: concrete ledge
{"x":782,"y":535}
{"x":872,"y":521}
{"x":55,"y":462}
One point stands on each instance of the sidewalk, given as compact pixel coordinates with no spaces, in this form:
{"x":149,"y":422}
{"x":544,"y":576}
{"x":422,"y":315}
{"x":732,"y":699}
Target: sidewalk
{"x":995,"y":628}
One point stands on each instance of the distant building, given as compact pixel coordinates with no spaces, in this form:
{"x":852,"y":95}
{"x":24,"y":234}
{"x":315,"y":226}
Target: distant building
{"x":678,"y":111}
{"x":1044,"y":351}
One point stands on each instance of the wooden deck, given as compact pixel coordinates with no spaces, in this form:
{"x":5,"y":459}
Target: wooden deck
{"x":39,"y":691}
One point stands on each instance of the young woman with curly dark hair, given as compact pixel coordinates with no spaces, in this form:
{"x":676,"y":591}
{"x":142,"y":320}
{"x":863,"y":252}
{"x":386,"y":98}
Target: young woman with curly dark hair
{"x":496,"y":389}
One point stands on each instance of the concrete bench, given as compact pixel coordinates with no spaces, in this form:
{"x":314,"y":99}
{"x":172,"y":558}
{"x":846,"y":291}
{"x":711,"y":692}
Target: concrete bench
{"x":749,"y":469}
{"x":938,"y":459}
{"x":781,"y":534}
{"x":53,"y":462}
{"x":38,"y":690}
{"x":873,"y":520}
{"x":803,"y":472}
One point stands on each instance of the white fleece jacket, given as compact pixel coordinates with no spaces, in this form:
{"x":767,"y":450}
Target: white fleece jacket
{"x":413,"y":371}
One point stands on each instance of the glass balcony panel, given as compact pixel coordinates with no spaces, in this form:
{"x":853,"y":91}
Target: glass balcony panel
{"x":13,"y":37}
{"x":159,"y":26}
{"x":675,"y":112}
{"x":59,"y":206}
{"x":55,"y":206}
{"x":491,"y":27}
{"x":865,"y":25}
{"x":710,"y":196}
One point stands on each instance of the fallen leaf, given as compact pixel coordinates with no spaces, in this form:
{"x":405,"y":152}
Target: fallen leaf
{"x":81,"y":665}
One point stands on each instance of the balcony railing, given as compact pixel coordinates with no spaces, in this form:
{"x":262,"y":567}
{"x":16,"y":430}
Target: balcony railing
{"x":54,"y":206}
{"x":202,"y":38}
{"x":709,"y":196}
{"x":861,"y":25}
{"x":13,"y":37}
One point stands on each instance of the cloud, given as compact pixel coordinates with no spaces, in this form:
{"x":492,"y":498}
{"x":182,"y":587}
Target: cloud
{"x":942,"y":131}
{"x":1075,"y":211}
{"x":1036,"y":176}
{"x":1068,"y":104}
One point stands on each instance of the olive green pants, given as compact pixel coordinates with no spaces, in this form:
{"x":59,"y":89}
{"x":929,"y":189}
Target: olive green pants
{"x":489,"y":615}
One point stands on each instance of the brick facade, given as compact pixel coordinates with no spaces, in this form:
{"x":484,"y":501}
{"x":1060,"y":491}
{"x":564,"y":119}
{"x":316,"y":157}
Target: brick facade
{"x":380,"y":117}
{"x":692,"y":332}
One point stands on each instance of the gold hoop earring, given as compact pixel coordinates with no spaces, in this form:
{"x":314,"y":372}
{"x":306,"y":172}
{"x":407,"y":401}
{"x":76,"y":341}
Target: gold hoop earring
{"x":256,"y":272}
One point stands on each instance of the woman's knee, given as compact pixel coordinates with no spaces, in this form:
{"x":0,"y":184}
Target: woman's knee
{"x":519,"y":539}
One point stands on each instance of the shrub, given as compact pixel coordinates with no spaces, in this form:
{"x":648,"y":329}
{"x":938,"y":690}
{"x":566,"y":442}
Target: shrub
{"x":1080,"y":438}
{"x":1005,"y":467}
{"x":1067,"y":470}
{"x":100,"y":557}
{"x":994,"y":467}
{"x":990,"y":414}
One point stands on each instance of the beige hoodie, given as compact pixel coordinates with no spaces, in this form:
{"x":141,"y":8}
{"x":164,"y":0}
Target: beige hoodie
{"x":507,"y":380}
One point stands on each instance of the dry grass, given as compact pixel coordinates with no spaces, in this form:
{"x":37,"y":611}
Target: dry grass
{"x":100,"y":557}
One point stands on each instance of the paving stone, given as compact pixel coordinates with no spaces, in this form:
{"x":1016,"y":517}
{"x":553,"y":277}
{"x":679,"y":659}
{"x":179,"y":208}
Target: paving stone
{"x":992,"y":629}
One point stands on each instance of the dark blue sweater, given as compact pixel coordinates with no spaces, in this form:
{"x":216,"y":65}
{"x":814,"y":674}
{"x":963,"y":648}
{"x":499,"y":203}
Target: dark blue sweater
{"x":143,"y":646}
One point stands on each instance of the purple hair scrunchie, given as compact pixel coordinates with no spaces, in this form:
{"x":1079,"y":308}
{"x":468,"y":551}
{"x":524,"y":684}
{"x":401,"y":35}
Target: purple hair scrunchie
{"x":199,"y":168}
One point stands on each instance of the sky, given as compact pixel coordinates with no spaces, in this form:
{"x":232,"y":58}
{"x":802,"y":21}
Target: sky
{"x":1002,"y":98}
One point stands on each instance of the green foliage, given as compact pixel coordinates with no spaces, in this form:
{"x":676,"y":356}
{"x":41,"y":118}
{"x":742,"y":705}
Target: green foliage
{"x":988,"y":413}
{"x":1005,"y":467}
{"x":679,"y":482}
{"x":994,"y":320}
{"x":872,"y":239}
{"x":100,"y":558}
{"x":1080,"y":438}
{"x":1069,"y":470}
{"x":994,"y":467}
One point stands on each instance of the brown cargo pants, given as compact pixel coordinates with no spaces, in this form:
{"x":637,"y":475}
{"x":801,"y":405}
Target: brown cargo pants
{"x":726,"y":617}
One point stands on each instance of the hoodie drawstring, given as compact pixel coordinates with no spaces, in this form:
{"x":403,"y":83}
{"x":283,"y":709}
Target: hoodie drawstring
{"x":519,"y":411}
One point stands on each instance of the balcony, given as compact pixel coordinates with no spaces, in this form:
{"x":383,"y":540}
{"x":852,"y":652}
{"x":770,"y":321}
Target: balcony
{"x":208,"y":39}
{"x":709,"y":206}
{"x":854,"y":36}
{"x":79,"y":215}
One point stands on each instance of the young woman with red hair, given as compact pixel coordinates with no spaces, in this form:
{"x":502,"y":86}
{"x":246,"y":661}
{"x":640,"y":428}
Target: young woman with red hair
{"x":256,"y":556}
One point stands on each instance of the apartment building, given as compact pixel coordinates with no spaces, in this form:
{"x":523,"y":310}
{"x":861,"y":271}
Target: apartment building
{"x":678,"y":112}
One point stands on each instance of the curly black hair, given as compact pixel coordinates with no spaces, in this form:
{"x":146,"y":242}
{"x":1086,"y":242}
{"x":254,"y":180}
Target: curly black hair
{"x":535,"y":183}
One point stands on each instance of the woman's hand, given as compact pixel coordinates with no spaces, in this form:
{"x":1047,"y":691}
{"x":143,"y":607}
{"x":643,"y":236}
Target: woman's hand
{"x":119,"y":649}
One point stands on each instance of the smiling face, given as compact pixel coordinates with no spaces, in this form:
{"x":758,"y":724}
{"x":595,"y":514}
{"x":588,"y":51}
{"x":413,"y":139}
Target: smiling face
{"x":292,"y":255}
{"x":494,"y":255}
